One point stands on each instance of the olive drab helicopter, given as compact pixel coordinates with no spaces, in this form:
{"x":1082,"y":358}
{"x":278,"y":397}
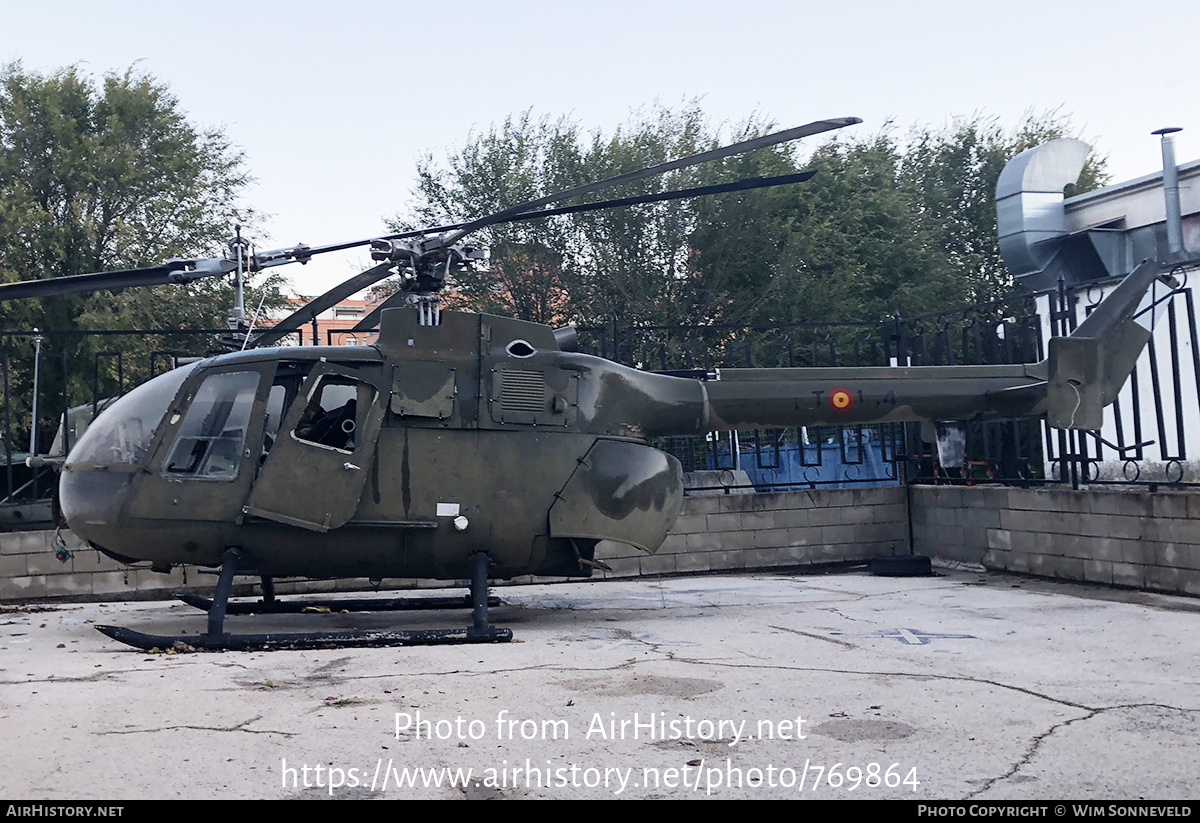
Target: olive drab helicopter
{"x":468,"y":445}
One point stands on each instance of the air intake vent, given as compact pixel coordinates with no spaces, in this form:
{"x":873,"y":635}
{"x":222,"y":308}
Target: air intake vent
{"x":522,"y":391}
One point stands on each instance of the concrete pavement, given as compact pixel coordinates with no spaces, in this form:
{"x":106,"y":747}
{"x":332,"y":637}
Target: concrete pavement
{"x":964,"y":685}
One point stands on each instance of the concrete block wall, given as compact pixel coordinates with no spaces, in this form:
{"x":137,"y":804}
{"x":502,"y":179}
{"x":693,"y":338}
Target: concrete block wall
{"x":30,"y":570}
{"x":751,"y":531}
{"x":713,"y":533}
{"x":1127,"y":538}
{"x":1135,"y":538}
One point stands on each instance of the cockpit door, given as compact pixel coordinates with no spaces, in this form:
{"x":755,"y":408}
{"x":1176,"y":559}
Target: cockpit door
{"x":314,"y":472}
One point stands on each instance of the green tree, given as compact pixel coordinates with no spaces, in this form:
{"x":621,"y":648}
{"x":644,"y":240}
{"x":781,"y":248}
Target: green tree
{"x":853,"y":250}
{"x":631,"y":262}
{"x":950,"y":176}
{"x":884,"y":225}
{"x":108,"y":174}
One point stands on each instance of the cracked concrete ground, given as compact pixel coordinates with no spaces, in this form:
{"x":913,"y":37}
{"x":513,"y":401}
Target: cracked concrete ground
{"x":964,"y":685}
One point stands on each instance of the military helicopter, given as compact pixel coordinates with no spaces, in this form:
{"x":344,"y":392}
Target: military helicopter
{"x":472,"y":444}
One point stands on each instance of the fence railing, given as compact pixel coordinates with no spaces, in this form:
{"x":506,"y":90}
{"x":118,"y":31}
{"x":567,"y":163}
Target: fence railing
{"x":51,"y":376}
{"x":1144,"y":440}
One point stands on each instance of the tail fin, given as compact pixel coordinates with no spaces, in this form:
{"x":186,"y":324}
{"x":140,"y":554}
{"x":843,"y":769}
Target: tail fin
{"x":1088,"y":369}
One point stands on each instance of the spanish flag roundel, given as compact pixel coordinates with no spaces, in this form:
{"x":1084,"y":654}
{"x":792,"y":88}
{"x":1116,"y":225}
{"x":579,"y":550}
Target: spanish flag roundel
{"x":841,"y":400}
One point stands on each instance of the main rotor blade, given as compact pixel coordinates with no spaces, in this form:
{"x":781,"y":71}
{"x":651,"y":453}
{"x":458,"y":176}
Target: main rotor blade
{"x":319,"y":304}
{"x":169,"y":272}
{"x":740,"y":185}
{"x":303,"y":253}
{"x":653,"y":171}
{"x":372,"y":319}
{"x":747,"y":184}
{"x":527,"y":211}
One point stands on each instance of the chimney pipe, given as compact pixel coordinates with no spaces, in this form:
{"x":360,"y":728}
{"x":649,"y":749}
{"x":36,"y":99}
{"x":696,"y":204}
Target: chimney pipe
{"x":1171,"y":192}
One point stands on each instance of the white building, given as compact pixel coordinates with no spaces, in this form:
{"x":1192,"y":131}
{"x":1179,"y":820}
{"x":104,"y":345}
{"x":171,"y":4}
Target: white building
{"x":1088,"y":243}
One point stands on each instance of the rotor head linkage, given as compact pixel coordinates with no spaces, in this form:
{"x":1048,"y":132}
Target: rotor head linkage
{"x":240,"y":253}
{"x":425,"y":261}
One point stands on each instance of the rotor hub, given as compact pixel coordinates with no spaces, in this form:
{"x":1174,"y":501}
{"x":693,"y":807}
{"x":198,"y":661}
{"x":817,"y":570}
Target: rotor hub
{"x":425,"y":262}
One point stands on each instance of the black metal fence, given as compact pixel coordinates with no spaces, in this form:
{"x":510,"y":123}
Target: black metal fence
{"x":1144,"y":441}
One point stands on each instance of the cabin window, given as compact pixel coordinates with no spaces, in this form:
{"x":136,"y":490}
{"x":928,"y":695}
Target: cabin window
{"x":285,"y":388}
{"x":336,"y":410}
{"x":210,"y":440}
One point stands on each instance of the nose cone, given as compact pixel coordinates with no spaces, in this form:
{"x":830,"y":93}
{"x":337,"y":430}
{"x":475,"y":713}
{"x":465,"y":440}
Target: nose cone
{"x":91,"y":502}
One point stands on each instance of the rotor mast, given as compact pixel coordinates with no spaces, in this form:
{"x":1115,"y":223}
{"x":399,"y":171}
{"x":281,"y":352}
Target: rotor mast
{"x":238,"y":247}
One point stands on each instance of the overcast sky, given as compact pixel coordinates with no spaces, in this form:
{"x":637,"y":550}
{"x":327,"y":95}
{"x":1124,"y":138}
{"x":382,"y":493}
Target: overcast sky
{"x":333,"y":105}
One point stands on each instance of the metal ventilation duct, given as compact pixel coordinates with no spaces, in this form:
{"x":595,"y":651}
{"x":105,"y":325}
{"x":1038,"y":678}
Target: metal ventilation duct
{"x":1029,"y":209}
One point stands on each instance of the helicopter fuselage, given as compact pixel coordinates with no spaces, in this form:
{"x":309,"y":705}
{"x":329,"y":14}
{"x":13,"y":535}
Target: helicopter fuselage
{"x":444,"y":440}
{"x":405,"y":458}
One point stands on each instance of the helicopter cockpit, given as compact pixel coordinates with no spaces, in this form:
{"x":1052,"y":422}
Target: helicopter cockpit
{"x":205,"y":445}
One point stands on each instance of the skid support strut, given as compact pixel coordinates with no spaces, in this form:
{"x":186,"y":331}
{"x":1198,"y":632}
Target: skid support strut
{"x":216,"y":639}
{"x":479,"y":598}
{"x":216,"y":615}
{"x":270,"y":604}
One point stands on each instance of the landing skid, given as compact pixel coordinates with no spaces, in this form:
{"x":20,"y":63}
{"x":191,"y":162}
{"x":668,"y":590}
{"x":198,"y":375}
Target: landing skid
{"x":307,"y":640}
{"x":393,"y":604}
{"x":216,"y":639}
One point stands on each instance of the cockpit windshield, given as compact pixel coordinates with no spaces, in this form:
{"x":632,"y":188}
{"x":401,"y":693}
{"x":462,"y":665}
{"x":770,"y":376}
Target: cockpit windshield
{"x":123,"y":431}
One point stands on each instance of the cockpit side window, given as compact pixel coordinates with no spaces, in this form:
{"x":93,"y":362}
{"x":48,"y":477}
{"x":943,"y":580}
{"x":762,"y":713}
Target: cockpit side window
{"x":212,"y":435}
{"x":285,"y":388}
